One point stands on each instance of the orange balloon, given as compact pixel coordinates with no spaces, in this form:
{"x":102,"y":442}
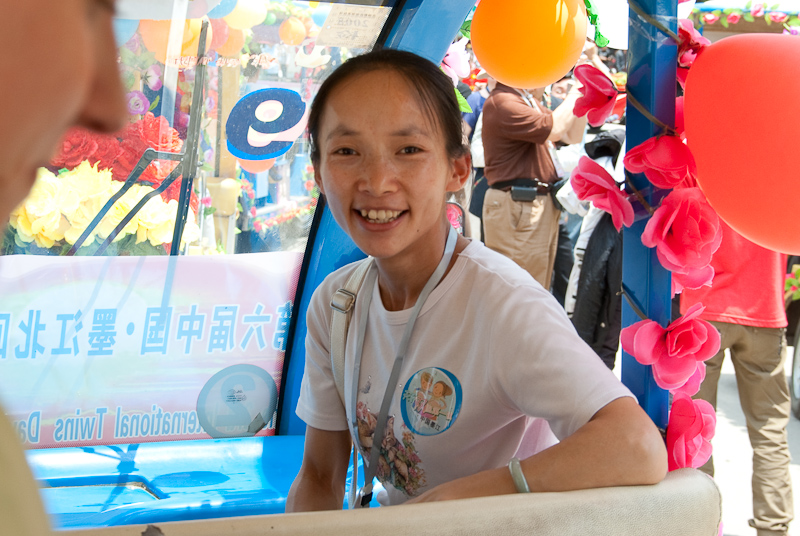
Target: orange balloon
{"x":190,"y":47}
{"x":155,"y":36}
{"x":528,"y":43}
{"x":292,"y":31}
{"x":746,"y":152}
{"x":233,"y":46}
{"x":256,"y":166}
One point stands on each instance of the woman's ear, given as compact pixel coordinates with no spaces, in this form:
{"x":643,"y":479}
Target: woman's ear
{"x":461,"y":172}
{"x":318,"y":178}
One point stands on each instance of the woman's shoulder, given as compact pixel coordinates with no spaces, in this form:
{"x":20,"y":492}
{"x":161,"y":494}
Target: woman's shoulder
{"x":334,"y":281}
{"x":496,"y":270}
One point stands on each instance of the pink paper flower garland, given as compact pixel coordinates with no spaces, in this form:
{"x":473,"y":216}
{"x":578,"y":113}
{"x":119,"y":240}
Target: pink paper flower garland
{"x":591,"y":182}
{"x":686,"y":232}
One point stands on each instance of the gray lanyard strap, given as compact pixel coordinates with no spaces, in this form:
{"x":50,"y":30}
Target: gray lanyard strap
{"x":365,"y":494}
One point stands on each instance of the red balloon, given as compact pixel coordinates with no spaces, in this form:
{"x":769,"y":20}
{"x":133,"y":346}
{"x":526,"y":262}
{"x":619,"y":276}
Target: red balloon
{"x":220,"y":29}
{"x":744,"y":142}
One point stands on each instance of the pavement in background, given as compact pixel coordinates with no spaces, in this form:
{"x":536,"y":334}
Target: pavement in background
{"x":733,"y":458}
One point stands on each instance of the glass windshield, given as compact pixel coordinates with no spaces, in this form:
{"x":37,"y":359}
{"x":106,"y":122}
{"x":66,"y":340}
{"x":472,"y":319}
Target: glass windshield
{"x":149,"y":279}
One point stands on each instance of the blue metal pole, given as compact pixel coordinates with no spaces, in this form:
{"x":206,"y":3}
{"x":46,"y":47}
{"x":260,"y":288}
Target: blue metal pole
{"x":652,"y":82}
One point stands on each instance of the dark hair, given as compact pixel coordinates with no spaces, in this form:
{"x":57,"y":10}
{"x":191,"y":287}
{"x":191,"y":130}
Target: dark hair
{"x":434,"y":89}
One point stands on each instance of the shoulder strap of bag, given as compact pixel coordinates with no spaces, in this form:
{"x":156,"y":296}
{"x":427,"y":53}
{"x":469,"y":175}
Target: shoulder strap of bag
{"x":342,"y":303}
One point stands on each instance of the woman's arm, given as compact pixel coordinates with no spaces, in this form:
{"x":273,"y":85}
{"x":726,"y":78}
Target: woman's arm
{"x":320,"y":483}
{"x":619,"y":446}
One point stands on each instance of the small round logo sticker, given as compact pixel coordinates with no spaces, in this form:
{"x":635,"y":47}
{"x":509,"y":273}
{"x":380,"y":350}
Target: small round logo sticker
{"x":237,"y":401}
{"x":431,"y":401}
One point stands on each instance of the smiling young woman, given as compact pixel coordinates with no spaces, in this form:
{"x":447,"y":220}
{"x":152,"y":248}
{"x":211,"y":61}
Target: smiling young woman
{"x":454,"y":351}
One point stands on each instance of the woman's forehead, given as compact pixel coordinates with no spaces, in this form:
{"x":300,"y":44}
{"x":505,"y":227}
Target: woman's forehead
{"x":390,"y":87}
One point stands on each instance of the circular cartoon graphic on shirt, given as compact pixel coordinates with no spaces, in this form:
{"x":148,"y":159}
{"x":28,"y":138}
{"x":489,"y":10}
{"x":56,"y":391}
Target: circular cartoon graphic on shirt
{"x":431,"y":401}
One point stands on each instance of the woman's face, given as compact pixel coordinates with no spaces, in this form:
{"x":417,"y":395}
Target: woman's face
{"x":384,"y":169}
{"x":60,"y":70}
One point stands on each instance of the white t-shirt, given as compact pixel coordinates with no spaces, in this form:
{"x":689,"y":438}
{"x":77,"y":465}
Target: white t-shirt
{"x":490,"y":349}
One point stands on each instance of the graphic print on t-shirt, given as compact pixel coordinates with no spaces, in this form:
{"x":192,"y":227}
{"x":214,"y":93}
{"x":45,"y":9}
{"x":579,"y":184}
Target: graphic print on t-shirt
{"x":398,"y":465}
{"x":431,"y":401}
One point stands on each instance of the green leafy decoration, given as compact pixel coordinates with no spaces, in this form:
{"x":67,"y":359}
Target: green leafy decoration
{"x":154,"y":103}
{"x":462,"y":102}
{"x":600,"y":39}
{"x":724,"y":22}
{"x":748,"y":17}
{"x":466,"y":28}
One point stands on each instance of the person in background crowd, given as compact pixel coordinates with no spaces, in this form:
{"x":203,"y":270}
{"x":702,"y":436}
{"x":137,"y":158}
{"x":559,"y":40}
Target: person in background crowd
{"x":745,"y":303}
{"x":520,"y":217}
{"x":37,"y":105}
{"x":593,"y":300}
{"x":474,"y":125}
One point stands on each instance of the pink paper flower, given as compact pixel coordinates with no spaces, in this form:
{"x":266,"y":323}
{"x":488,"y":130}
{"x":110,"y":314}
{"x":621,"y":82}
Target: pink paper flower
{"x":665,"y":160}
{"x":710,"y":18}
{"x":456,"y":62}
{"x":137,"y":103}
{"x":673,"y":351}
{"x":680,"y":124}
{"x":591,"y":182}
{"x":685,"y":231}
{"x":682,"y":73}
{"x":692,"y":385}
{"x":777,"y":16}
{"x":757,"y":10}
{"x":689,"y":432}
{"x":599,"y":95}
{"x":733,"y":18}
{"x":692,"y":42}
{"x":692,"y":278}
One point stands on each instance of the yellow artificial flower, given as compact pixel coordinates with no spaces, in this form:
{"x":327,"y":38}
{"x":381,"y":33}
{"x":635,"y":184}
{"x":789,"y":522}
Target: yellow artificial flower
{"x":38,"y":218}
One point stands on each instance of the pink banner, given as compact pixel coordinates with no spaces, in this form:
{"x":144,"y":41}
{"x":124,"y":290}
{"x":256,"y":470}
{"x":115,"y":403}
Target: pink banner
{"x":105,"y":350}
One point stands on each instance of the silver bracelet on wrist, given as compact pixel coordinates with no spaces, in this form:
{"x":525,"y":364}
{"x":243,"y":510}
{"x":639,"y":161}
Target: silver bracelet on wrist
{"x":518,"y":476}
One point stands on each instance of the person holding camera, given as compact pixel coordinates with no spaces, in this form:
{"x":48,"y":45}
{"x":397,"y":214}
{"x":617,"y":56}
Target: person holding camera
{"x":520,"y":217}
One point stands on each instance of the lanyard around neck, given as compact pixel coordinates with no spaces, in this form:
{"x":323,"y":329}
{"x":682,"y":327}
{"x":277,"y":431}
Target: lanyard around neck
{"x":383,"y":415}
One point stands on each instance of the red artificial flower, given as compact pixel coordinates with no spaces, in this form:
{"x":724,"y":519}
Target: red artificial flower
{"x":710,"y":18}
{"x":155,"y":132}
{"x":733,"y":18}
{"x":689,"y":432}
{"x":665,"y":160}
{"x":692,"y":42}
{"x":591,"y":182}
{"x":778,"y":17}
{"x":685,"y":231}
{"x":77,"y":145}
{"x":131,"y":149}
{"x":599,"y":95}
{"x":757,"y":10}
{"x":108,"y":148}
{"x":673,"y":351}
